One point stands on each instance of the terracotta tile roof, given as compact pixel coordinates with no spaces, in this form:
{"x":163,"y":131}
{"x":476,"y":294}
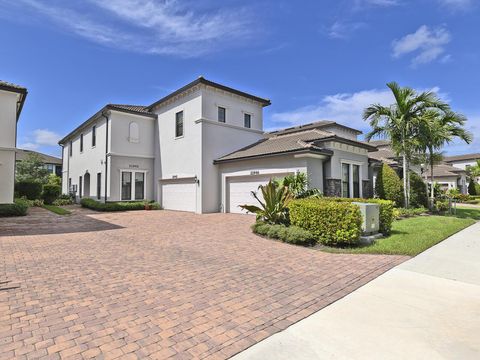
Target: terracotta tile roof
{"x":134,"y":108}
{"x":474,"y":156}
{"x":47,"y":159}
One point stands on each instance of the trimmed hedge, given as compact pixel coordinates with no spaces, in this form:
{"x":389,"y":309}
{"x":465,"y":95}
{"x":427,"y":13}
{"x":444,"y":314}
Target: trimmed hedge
{"x":288,"y":234}
{"x":116,"y":206}
{"x":50,"y":193}
{"x":386,"y":211}
{"x":18,"y":208}
{"x":32,"y":190}
{"x":406,"y":213}
{"x":389,"y":185}
{"x":332,"y":223}
{"x":418,"y":191}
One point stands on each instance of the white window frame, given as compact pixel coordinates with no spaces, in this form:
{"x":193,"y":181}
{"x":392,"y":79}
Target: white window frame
{"x":251,"y":119}
{"x":218,"y":109}
{"x":132,"y":187}
{"x":175,"y":124}
{"x":350,"y":163}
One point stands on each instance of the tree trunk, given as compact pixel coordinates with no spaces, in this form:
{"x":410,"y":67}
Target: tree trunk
{"x":432,"y":190}
{"x":405,"y":197}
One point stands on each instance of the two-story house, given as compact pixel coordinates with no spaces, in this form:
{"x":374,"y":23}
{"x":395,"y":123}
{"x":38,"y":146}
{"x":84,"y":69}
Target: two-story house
{"x":52,"y":163}
{"x":12,"y":98}
{"x":203,"y":149}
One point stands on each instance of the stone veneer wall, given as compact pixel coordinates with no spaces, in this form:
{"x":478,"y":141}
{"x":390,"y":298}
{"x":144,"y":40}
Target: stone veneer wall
{"x":333,"y":187}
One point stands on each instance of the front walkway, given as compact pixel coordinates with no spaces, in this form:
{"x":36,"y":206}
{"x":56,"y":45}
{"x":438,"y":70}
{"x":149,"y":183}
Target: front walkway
{"x":158,"y":284}
{"x":425,"y":308}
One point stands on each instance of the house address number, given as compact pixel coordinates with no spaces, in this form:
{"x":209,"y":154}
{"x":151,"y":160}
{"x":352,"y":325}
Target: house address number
{"x":133,"y":166}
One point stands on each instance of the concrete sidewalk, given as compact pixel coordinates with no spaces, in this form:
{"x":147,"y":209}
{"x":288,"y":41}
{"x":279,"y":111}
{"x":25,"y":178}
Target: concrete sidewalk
{"x":425,"y":308}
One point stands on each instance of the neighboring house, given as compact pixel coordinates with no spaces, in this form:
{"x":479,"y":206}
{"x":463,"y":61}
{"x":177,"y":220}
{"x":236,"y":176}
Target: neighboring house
{"x":446,"y":175}
{"x":12,"y":98}
{"x":463,"y":161}
{"x":52,"y":163}
{"x":203,"y":149}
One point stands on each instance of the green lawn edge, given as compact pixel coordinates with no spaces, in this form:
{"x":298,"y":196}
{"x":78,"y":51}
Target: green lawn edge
{"x":56,"y":209}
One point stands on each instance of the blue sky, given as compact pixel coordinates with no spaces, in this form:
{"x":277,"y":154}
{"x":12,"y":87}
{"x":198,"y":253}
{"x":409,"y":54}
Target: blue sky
{"x":314,"y":59}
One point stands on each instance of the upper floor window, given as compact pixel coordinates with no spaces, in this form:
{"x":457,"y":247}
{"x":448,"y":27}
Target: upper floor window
{"x":81,"y":142}
{"x":133,"y":132}
{"x":94,"y":135}
{"x":70,"y":148}
{"x":247,"y":120}
{"x":179,"y":124}
{"x":222,"y":114}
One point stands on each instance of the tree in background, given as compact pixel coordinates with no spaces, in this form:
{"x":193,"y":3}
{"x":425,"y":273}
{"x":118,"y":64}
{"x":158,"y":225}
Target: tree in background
{"x":388,"y":185}
{"x":418,"y":191}
{"x":471,"y":188}
{"x":399,"y":122}
{"x":54,"y":180}
{"x":32,"y":169}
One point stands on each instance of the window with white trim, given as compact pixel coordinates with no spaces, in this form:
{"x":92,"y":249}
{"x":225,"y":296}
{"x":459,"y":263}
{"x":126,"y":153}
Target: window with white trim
{"x":222,"y":114}
{"x":132,"y":185}
{"x":351,"y":180}
{"x":345,"y":180}
{"x":179,"y":124}
{"x":247,"y":120}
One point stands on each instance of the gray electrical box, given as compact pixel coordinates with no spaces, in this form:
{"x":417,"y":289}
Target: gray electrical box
{"x":370,"y":217}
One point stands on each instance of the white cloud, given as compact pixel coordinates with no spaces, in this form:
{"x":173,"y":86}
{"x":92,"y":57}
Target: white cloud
{"x":460,"y":147}
{"x":45,"y":137}
{"x":28,"y":146}
{"x":457,"y":4}
{"x":383,"y":3}
{"x":148,"y":26}
{"x":428,"y":44}
{"x":345,"y":108}
{"x":343,"y":30}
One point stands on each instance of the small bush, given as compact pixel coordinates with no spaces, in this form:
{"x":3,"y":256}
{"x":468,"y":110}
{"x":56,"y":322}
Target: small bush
{"x":406,"y":213}
{"x":442,"y":206}
{"x":463,"y":197}
{"x":418,"y":191}
{"x":288,"y":234}
{"x":116,"y":206}
{"x":471,"y":188}
{"x":477,"y":189}
{"x":473,"y":202}
{"x":33,"y":203}
{"x":63,"y":202}
{"x":388,"y":185}
{"x":18,"y":208}
{"x":50,"y":193}
{"x":32,"y":190}
{"x":332,"y":223}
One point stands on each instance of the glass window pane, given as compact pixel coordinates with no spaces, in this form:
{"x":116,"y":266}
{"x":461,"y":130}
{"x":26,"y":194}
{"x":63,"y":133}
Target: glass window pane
{"x":222,"y":114}
{"x":179,"y":124}
{"x":139,"y":186}
{"x":356,"y":181}
{"x":346,"y":180}
{"x":247,"y":120}
{"x":126,"y":185}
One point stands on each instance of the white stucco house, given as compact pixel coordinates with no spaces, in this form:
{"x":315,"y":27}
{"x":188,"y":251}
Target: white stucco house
{"x":203,"y":149}
{"x":12,"y":98}
{"x":52,"y":163}
{"x":463,"y":161}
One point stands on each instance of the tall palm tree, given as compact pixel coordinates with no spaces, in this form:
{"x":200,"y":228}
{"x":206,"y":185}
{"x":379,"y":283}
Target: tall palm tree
{"x":436,"y":129}
{"x":400,"y":122}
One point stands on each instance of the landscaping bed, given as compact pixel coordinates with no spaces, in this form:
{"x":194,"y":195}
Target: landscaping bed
{"x":118,"y":206}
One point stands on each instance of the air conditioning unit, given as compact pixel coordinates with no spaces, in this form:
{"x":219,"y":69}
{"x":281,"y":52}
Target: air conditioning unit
{"x":370,"y":217}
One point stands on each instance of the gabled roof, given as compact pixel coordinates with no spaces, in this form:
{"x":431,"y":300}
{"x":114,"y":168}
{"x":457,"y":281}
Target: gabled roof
{"x":21,"y":154}
{"x":130,"y":109}
{"x":314,"y":125}
{"x":380,"y":143}
{"x":474,"y":156}
{"x":202,"y":80}
{"x":6,"y":86}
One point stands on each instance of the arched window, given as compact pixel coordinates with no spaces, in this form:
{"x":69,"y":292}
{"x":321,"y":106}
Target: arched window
{"x":133,"y":132}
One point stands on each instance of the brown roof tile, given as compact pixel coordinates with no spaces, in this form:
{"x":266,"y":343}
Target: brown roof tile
{"x":474,"y":156}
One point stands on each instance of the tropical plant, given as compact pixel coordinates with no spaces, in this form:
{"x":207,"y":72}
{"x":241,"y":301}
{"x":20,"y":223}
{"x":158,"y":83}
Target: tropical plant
{"x":32,"y":168}
{"x":471,"y":188}
{"x":474,"y":171}
{"x":399,"y":122}
{"x":54,"y":180}
{"x":298,"y":186}
{"x":273,"y":209}
{"x":438,"y":127}
{"x":388,"y":185}
{"x":418,"y":191}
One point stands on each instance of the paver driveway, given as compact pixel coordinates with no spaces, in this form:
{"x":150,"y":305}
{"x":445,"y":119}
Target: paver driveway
{"x":158,"y":284}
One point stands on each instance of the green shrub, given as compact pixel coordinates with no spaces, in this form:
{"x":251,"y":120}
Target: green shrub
{"x":418,"y":191}
{"x":411,"y":212}
{"x":463,"y":197}
{"x":116,"y":206}
{"x":477,"y":189}
{"x":330,"y":222}
{"x":32,"y":190}
{"x":388,"y":185}
{"x":386,"y":211}
{"x":50,"y":193}
{"x":473,"y":202}
{"x":289,"y":234}
{"x":471,"y":188}
{"x":442,"y":206}
{"x":63,"y":202}
{"x":33,"y":203}
{"x":18,"y":208}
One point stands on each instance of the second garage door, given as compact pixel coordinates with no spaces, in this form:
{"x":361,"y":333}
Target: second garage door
{"x":239,"y":190}
{"x":179,"y":196}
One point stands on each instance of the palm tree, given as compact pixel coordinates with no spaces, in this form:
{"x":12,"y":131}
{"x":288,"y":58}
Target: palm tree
{"x":400,"y":122}
{"x":437,"y":129}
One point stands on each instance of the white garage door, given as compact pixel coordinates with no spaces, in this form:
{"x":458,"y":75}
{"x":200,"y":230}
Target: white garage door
{"x":239,"y":190}
{"x":179,"y":196}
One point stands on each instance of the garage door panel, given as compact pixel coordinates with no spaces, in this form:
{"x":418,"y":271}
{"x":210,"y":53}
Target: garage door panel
{"x":240,"y":191}
{"x":179,"y":196}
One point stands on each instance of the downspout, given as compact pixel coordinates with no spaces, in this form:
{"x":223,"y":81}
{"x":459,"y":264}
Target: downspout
{"x":106,"y":156}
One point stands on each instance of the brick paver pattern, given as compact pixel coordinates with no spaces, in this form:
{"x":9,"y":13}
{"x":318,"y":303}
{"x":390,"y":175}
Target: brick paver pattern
{"x":158,"y":284}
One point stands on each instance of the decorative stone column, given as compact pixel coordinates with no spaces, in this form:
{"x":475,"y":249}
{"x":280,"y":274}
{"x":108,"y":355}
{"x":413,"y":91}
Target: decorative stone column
{"x":333,"y":187}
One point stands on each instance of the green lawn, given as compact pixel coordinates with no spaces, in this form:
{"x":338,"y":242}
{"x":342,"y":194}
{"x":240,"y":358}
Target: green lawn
{"x":414,"y":235}
{"x":57,"y":210}
{"x":467,"y":212}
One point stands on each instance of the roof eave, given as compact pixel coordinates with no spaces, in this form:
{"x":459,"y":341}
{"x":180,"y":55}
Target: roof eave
{"x":296,"y":151}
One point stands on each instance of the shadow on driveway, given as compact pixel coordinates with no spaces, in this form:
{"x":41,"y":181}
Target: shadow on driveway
{"x":43,"y":222}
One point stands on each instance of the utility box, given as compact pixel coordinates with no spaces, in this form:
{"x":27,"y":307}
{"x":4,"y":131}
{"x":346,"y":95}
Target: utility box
{"x":370,"y":217}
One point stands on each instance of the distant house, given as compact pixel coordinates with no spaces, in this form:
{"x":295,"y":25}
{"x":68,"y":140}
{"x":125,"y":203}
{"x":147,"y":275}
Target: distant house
{"x":12,"y":98}
{"x":52,"y":163}
{"x":463,"y":161}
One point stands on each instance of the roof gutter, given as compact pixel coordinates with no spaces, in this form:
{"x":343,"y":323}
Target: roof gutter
{"x":296,"y":151}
